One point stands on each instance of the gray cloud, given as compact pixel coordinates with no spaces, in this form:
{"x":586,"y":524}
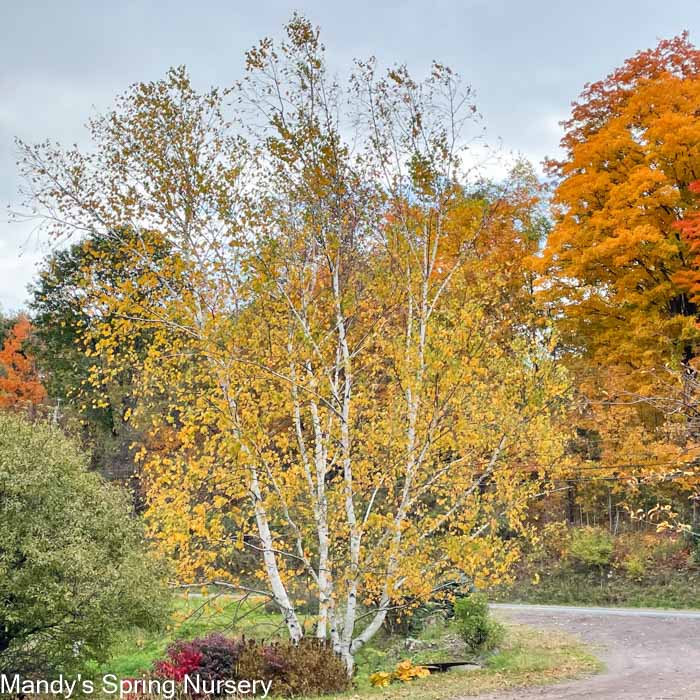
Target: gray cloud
{"x":527,"y":60}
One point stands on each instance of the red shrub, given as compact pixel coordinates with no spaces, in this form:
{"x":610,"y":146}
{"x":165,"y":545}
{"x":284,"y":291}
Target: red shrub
{"x":183,"y":659}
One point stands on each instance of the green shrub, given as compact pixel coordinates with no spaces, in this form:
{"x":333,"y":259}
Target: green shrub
{"x":479,"y":631}
{"x":635,"y":565}
{"x":592,"y":547}
{"x":73,"y":570}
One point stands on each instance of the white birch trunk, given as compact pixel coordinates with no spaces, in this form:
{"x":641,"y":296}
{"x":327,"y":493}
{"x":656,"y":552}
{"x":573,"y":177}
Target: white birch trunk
{"x":279,"y":590}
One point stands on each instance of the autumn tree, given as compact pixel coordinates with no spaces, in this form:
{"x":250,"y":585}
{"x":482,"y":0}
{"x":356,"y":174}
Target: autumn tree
{"x":614,"y":269}
{"x":337,"y":392}
{"x":20,"y":385}
{"x":631,"y":152}
{"x":63,"y":315}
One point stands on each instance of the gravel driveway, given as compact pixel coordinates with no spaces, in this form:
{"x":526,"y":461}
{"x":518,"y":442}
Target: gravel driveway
{"x":650,"y":655}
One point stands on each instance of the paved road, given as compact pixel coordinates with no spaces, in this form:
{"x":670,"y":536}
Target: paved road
{"x":649,"y":654}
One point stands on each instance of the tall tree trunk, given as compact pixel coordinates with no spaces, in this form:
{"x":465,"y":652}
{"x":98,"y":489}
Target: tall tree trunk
{"x":279,"y":590}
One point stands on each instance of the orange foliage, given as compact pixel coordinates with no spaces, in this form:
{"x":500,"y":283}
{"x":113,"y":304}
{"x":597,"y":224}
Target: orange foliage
{"x":614,"y":260}
{"x":617,"y":268}
{"x":19,"y":384}
{"x":690,"y":231}
{"x":600,"y":101}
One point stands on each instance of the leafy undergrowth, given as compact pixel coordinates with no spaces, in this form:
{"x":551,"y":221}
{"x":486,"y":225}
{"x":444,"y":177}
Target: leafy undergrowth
{"x":527,"y":658}
{"x":589,"y":566}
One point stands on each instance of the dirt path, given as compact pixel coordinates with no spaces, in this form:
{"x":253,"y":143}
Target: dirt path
{"x":650,"y":655}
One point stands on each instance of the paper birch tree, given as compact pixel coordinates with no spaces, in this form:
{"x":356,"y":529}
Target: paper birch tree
{"x":340,"y":408}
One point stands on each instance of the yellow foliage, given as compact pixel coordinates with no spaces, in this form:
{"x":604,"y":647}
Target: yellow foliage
{"x":380,"y":679}
{"x":405,"y":672}
{"x":336,"y":374}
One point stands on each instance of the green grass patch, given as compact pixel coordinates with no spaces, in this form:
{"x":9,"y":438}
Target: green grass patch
{"x":134,"y":652}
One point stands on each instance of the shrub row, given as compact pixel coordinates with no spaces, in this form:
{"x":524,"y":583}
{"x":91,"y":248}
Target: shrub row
{"x":310,"y":667}
{"x":589,"y":566}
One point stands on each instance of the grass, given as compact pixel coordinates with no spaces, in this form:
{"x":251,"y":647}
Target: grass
{"x":527,"y":657}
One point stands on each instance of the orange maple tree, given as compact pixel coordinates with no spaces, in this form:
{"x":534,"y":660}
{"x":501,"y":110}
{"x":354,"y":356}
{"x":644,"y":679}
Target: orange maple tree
{"x":20,"y":384}
{"x":632,"y":150}
{"x":615,"y":269}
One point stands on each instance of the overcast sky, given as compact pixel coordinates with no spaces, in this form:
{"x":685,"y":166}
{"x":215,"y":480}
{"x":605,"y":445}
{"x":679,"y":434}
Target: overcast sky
{"x":60,"y":62}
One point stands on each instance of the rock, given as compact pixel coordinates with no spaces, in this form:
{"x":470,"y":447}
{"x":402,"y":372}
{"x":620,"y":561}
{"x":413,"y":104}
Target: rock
{"x":412,"y":644}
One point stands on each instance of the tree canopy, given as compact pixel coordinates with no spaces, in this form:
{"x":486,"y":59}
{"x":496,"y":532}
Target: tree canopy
{"x":613,"y":259}
{"x":20,"y":385}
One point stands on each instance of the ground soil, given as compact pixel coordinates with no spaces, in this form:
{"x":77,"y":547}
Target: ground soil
{"x":649,"y":655}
